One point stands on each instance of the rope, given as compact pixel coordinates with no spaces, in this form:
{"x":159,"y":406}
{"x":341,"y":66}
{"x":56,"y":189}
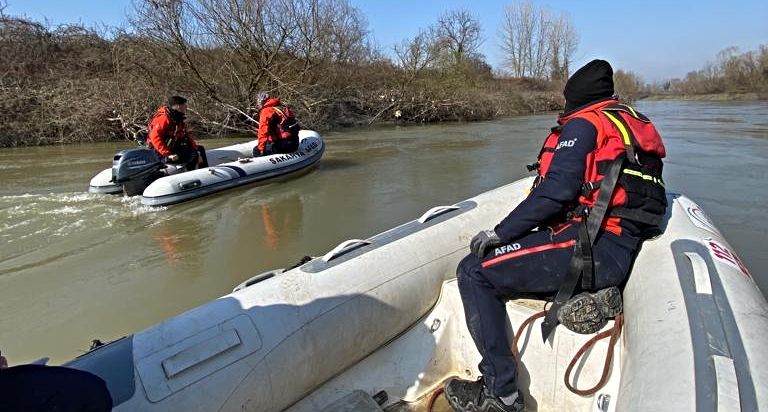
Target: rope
{"x":433,"y":398}
{"x":614,"y":333}
{"x":520,"y":330}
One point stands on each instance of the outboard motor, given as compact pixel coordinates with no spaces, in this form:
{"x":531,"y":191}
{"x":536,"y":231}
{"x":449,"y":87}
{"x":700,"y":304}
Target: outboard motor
{"x":135,"y":169}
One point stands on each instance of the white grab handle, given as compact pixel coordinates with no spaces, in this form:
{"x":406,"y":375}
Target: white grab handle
{"x":436,"y":211}
{"x":344,"y":247}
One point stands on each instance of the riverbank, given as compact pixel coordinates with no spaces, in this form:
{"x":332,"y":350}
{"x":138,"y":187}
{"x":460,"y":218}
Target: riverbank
{"x":713,"y":97}
{"x":500,"y":99}
{"x":478,"y":105}
{"x":75,"y":84}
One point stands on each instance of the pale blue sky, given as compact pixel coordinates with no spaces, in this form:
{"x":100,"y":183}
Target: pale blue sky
{"x":655,"y":38}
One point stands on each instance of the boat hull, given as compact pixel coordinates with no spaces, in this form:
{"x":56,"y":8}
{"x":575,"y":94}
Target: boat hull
{"x":230,"y":167}
{"x":385,"y":314}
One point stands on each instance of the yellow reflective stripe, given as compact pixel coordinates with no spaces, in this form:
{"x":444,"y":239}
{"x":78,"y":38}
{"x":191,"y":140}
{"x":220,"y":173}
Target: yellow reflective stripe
{"x":622,"y":130}
{"x":633,"y":111}
{"x":644,"y":176}
{"x":279,"y":111}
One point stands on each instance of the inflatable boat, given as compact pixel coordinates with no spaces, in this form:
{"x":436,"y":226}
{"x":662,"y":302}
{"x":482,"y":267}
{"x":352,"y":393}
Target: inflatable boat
{"x":377,"y":324}
{"x":141,"y":172}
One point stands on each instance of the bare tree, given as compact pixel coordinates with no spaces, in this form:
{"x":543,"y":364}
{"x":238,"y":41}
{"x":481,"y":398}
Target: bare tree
{"x":460,"y":32}
{"x":416,"y":54}
{"x":536,"y":42}
{"x":525,"y":39}
{"x":564,"y":40}
{"x":628,"y":85}
{"x":233,"y":48}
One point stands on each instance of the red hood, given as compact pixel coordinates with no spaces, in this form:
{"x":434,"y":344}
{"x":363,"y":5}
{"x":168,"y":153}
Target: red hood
{"x":272,"y":102}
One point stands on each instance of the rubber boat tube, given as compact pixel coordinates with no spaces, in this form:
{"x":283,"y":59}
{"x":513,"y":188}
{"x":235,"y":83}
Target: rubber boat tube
{"x":383,"y":313}
{"x":230,"y":167}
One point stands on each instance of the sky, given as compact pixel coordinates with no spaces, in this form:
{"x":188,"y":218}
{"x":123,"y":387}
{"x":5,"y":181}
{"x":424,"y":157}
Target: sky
{"x":656,"y":39}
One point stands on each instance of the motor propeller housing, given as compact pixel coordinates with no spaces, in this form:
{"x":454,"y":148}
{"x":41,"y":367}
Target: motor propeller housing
{"x":135,"y":169}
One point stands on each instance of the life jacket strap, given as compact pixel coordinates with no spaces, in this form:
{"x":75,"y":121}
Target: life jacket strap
{"x":618,"y":107}
{"x":588,"y":187}
{"x":581,"y":265}
{"x":627,"y":136}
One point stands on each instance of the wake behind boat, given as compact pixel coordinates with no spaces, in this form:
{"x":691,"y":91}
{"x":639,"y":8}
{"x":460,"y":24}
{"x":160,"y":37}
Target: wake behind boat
{"x":139,"y":171}
{"x":378,"y":324}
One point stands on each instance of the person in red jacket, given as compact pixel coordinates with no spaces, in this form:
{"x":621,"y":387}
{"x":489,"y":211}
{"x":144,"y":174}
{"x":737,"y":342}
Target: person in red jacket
{"x":168,"y":136}
{"x":278,"y":130}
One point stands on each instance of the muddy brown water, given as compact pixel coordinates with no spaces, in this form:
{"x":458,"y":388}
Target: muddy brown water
{"x":76,"y":266}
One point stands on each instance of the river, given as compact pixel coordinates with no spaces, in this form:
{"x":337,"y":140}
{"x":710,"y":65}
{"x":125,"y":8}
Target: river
{"x":76,"y":266}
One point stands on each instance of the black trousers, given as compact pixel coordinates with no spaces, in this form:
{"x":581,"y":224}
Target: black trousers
{"x":533,"y":264}
{"x":31,"y":388}
{"x":188,"y":156}
{"x":289,"y":145}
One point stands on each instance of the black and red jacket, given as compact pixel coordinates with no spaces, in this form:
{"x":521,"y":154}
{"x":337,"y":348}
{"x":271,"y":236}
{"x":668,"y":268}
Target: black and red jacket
{"x":167,"y":135}
{"x":571,"y":165}
{"x":276,"y":121}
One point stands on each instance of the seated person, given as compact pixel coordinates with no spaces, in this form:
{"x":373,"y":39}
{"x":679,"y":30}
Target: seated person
{"x":278,"y":130}
{"x":51,"y":388}
{"x":168,"y":136}
{"x":599,"y":192}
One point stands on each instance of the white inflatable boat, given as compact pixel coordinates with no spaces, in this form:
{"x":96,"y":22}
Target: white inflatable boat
{"x":378,"y":324}
{"x":229,"y":167}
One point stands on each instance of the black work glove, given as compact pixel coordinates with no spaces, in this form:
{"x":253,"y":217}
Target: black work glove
{"x":483,"y":241}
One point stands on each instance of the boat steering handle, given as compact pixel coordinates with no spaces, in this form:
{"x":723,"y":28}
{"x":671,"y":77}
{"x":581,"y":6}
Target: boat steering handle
{"x":343,"y":248}
{"x":435,"y":212}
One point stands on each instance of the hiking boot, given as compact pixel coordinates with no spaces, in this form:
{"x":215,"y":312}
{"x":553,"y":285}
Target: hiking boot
{"x":609,"y":300}
{"x":473,"y":396}
{"x":587,"y":313}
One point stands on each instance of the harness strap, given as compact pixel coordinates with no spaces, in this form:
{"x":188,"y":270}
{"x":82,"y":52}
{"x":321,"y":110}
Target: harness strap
{"x":575,"y":268}
{"x":607,"y":187}
{"x":626,"y":135}
{"x":629,"y":110}
{"x":637,"y":215}
{"x":581,"y":264}
{"x":588,"y":266}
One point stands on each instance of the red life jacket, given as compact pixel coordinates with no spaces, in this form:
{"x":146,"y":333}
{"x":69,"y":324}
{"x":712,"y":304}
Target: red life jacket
{"x":628,"y":139}
{"x":288,"y":126}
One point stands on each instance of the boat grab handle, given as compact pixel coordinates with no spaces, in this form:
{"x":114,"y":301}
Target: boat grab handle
{"x":435,"y":212}
{"x":343,"y":248}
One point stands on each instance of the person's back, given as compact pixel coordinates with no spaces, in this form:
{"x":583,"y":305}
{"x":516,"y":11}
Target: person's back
{"x":278,"y":130}
{"x":597,"y":194}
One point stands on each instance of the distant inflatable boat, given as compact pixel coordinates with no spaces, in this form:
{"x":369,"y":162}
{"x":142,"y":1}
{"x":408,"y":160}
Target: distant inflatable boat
{"x":378,"y":325}
{"x":140,"y":171}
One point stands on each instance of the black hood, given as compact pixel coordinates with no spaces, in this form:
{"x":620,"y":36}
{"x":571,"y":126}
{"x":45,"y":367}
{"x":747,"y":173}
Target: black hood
{"x":590,"y":83}
{"x":176,"y":115}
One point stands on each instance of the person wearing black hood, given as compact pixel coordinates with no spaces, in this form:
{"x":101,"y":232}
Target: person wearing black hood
{"x":169,"y":137}
{"x":598,"y":193}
